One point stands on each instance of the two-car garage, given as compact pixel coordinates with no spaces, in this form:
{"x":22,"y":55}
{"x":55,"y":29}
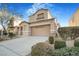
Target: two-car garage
{"x":43,"y":30}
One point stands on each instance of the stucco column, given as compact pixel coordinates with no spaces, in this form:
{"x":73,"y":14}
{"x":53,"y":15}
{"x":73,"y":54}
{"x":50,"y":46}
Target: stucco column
{"x":52,"y":28}
{"x":30,"y":33}
{"x":19,"y":31}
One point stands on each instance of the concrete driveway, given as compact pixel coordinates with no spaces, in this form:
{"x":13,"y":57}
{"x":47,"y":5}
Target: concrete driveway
{"x":20,"y":46}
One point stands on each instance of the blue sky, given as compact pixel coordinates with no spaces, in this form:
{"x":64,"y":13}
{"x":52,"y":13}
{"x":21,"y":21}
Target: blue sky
{"x":61,"y":11}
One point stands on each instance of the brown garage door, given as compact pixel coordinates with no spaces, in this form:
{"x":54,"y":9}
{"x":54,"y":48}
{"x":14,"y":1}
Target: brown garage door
{"x":40,"y":30}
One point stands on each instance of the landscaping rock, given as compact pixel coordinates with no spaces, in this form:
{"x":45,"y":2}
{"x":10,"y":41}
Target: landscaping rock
{"x":70,"y":43}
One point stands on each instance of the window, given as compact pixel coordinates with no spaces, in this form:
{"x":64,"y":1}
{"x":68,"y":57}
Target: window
{"x":40,"y":16}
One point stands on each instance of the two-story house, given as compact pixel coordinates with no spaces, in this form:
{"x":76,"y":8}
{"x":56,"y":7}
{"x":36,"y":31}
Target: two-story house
{"x":40,"y":23}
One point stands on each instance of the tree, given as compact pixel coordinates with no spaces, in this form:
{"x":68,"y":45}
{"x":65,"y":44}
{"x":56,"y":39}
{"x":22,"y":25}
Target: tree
{"x":11,"y":25}
{"x":7,"y":18}
{"x":4,"y":17}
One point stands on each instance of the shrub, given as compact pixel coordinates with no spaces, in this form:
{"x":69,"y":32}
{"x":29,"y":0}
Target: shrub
{"x":71,"y":32}
{"x":59,"y":44}
{"x":51,"y":40}
{"x":41,"y":49}
{"x":5,"y":33}
{"x":66,"y":52}
{"x":11,"y":35}
{"x":76,"y":43}
{"x":44,"y":49}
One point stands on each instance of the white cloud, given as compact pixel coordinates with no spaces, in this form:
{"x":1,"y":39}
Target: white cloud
{"x":35,"y":7}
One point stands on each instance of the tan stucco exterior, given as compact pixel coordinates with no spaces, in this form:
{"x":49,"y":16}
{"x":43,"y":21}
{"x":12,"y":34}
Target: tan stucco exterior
{"x":40,"y":23}
{"x":47,"y":15}
{"x":74,"y":21}
{"x":44,"y":26}
{"x":24,"y":28}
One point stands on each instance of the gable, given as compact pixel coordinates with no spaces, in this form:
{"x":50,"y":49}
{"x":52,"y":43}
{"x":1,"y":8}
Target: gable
{"x":23,"y":23}
{"x":42,"y":14}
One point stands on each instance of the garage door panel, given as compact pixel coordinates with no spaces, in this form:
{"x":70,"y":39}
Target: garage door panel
{"x":40,"y":30}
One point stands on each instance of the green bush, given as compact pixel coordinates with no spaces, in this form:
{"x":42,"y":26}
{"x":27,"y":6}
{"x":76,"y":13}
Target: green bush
{"x":66,"y":52}
{"x":51,"y":40}
{"x":59,"y":44}
{"x":44,"y":49}
{"x":76,"y":43}
{"x":41,"y":49}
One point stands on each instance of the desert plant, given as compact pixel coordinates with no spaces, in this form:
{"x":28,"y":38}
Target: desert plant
{"x":66,"y":52}
{"x":59,"y":44}
{"x":41,"y":49}
{"x":76,"y":43}
{"x":51,"y":40}
{"x":71,"y":32}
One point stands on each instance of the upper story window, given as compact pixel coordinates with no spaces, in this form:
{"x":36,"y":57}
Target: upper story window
{"x":40,"y":16}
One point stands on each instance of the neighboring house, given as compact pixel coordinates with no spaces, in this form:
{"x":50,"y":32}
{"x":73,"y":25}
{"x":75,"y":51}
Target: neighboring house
{"x":40,"y":23}
{"x":74,"y":21}
{"x":13,"y":26}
